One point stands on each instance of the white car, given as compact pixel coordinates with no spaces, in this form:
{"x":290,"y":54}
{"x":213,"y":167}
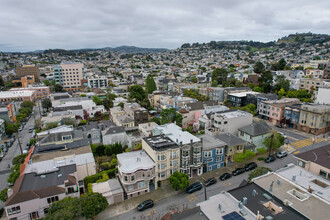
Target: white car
{"x":282,"y":134}
{"x":282,"y":154}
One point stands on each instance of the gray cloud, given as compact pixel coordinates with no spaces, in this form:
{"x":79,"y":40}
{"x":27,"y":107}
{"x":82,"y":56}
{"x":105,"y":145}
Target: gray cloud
{"x":70,"y":24}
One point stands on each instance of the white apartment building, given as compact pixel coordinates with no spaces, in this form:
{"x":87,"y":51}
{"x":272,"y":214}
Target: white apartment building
{"x":231,"y":121}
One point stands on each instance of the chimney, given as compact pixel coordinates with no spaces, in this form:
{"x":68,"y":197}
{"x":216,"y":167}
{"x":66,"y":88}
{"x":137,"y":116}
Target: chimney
{"x":10,"y":192}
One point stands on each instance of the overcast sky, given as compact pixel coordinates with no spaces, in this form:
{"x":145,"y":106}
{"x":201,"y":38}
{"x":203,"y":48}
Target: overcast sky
{"x":27,"y":25}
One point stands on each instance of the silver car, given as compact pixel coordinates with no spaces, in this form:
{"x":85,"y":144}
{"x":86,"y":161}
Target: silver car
{"x":282,"y":154}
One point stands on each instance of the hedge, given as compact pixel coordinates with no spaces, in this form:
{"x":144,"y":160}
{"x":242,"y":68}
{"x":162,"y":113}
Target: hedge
{"x":94,"y":178}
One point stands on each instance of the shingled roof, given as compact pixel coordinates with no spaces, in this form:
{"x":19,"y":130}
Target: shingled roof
{"x":230,"y":139}
{"x":256,"y":129}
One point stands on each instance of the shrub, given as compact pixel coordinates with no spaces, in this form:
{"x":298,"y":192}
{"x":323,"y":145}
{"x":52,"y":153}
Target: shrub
{"x":258,"y":172}
{"x":19,"y":159}
{"x":90,"y":188}
{"x":94,"y":178}
{"x":159,"y":183}
{"x":261,"y":158}
{"x":179,"y":180}
{"x":105,"y":166}
{"x":261,"y":150}
{"x":3,"y":195}
{"x":249,"y":154}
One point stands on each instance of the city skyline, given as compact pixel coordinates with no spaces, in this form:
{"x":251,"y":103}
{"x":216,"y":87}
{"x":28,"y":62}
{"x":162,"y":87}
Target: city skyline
{"x":39,"y":25}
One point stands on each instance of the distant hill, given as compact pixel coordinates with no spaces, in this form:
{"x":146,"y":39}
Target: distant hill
{"x":121,"y":49}
{"x":291,"y":40}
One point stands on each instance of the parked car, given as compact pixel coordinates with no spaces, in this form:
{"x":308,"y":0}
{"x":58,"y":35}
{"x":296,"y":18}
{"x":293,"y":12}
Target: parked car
{"x":24,"y":123}
{"x":20,"y":128}
{"x":210,"y":181}
{"x":250,"y":166}
{"x":282,"y":134}
{"x":278,"y":125}
{"x":30,"y":130}
{"x":270,"y":159}
{"x":1,"y":211}
{"x":145,"y":205}
{"x":194,"y":187}
{"x":225,"y":176}
{"x":282,"y":154}
{"x":238,"y":171}
{"x":2,"y":154}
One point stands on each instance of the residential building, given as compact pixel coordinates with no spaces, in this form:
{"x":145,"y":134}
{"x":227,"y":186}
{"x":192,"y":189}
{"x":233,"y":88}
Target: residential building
{"x":146,"y":128}
{"x":314,"y":118}
{"x":322,"y":96}
{"x":165,"y":153}
{"x":28,"y":71}
{"x":110,"y":189}
{"x":114,"y":135}
{"x":311,"y":84}
{"x":138,"y":113}
{"x":315,"y":161}
{"x":50,"y":118}
{"x":291,"y":115}
{"x":97,"y":82}
{"x":25,"y":95}
{"x":190,"y":146}
{"x":265,"y":106}
{"x":255,"y":134}
{"x":298,"y":189}
{"x":41,"y":91}
{"x":124,"y":121}
{"x":93,"y":130}
{"x":136,"y":172}
{"x":59,"y":129}
{"x":265,"y":97}
{"x":234,"y":145}
{"x":213,"y":152}
{"x":9,"y":110}
{"x":69,"y":75}
{"x":315,"y":73}
{"x":75,"y":110}
{"x":230,"y":121}
{"x":243,"y":98}
{"x":326,"y":74}
{"x":232,"y":90}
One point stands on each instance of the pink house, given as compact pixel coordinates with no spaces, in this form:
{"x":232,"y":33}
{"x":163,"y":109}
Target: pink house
{"x":276,"y":112}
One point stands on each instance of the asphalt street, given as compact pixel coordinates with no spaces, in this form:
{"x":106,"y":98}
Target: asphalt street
{"x":14,"y":151}
{"x":184,"y":200}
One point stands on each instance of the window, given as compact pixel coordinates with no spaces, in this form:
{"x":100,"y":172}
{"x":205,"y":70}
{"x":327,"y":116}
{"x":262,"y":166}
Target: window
{"x":52,"y":199}
{"x":125,"y":178}
{"x":142,"y":184}
{"x":70,"y":190}
{"x":67,"y":137}
{"x":225,"y":122}
{"x":208,"y":154}
{"x":323,"y":173}
{"x":219,"y":158}
{"x":301,"y":163}
{"x":185,"y":153}
{"x":130,"y":188}
{"x":162,"y":166}
{"x":174,"y":163}
{"x":132,"y":178}
{"x":161,"y":174}
{"x":162,"y":157}
{"x":219,"y":151}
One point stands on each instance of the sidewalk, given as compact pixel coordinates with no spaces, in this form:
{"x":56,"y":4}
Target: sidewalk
{"x":165,"y":191}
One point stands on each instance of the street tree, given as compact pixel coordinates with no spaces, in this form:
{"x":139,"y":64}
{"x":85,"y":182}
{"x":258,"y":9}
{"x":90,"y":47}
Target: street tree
{"x":58,"y":88}
{"x":67,"y":208}
{"x":46,"y":82}
{"x":3,"y":195}
{"x":97,"y":100}
{"x":46,"y":103}
{"x":92,"y":205}
{"x":275,"y":141}
{"x":282,"y":82}
{"x":179,"y":181}
{"x":266,"y":81}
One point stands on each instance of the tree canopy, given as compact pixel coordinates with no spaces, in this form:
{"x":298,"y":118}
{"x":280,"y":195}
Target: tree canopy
{"x":274,"y":143}
{"x":266,"y":81}
{"x":92,"y":204}
{"x":46,"y":103}
{"x":281,"y":82}
{"x":150,"y":84}
{"x":220,"y":75}
{"x":179,"y":181}
{"x":259,"y":67}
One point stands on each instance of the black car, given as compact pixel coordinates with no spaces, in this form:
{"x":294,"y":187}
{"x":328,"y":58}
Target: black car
{"x":210,"y":181}
{"x":238,"y":171}
{"x":145,"y":205}
{"x":194,"y":187}
{"x":270,"y":159}
{"x":250,"y":166}
{"x":225,"y":176}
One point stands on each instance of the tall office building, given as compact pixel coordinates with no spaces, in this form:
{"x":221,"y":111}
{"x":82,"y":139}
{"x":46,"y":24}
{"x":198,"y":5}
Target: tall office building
{"x":69,"y":75}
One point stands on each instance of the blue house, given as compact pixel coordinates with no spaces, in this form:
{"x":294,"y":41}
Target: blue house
{"x":213,"y":152}
{"x":291,"y":115}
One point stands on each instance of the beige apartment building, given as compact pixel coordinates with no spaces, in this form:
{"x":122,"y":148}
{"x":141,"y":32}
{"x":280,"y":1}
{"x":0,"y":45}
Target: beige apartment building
{"x":311,"y":84}
{"x":165,"y":153}
{"x":136,"y":172}
{"x":314,"y":118}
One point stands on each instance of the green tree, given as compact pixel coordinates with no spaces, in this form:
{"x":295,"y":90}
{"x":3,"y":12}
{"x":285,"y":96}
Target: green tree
{"x":46,"y":103}
{"x":137,"y":92}
{"x":150,"y":84}
{"x":266,"y":81}
{"x":69,"y":121}
{"x":258,"y":172}
{"x":27,"y":104}
{"x":121,"y":104}
{"x":46,"y":82}
{"x":67,"y":208}
{"x":108,"y":101}
{"x":11,"y":128}
{"x":83,"y":122}
{"x":97,"y":100}
{"x":194,"y":79}
{"x":281,"y":93}
{"x":51,"y":125}
{"x":58,"y":88}
{"x":179,"y":181}
{"x":220,"y":75}
{"x":19,"y":159}
{"x":92,"y":205}
{"x":274,"y":142}
{"x":3,"y":195}
{"x":214,"y":83}
{"x":259,"y":67}
{"x":83,"y":95}
{"x":282,"y":82}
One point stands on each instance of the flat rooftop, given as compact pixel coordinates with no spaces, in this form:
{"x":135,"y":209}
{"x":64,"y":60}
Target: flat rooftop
{"x":233,"y":114}
{"x":305,"y":179}
{"x":243,"y":94}
{"x":210,"y":142}
{"x":313,"y":207}
{"x":130,"y":162}
{"x":228,"y":203}
{"x":160,"y":142}
{"x":176,"y":134}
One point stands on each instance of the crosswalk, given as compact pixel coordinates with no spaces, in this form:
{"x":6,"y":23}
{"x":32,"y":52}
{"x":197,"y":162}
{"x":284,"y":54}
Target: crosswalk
{"x":306,"y":142}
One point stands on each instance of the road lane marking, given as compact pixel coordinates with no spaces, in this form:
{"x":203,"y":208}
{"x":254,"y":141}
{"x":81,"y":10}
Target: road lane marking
{"x":297,"y":152}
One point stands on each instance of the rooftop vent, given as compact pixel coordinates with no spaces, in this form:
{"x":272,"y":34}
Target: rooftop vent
{"x":59,"y":175}
{"x":266,"y":196}
{"x":43,"y":176}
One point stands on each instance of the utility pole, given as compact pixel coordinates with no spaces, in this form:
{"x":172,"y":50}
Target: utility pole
{"x":39,"y":109}
{"x":19,"y":143}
